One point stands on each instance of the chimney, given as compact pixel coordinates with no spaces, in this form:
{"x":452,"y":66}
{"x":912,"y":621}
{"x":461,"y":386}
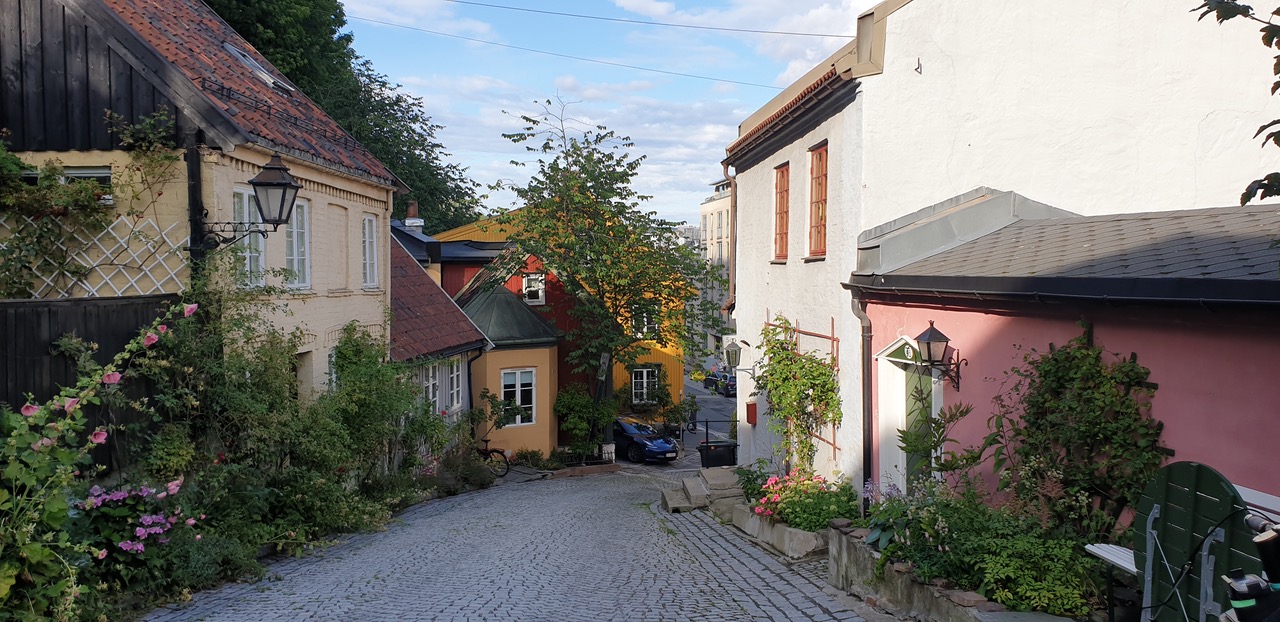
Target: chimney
{"x":411,"y":220}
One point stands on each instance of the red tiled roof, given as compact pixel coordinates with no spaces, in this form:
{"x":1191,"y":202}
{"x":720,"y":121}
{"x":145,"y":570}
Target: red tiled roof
{"x":191,"y":37}
{"x":424,"y":320}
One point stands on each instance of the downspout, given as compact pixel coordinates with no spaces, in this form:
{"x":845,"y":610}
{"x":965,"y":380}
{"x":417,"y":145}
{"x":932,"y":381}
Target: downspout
{"x":868,"y":438}
{"x":471,"y":402}
{"x":733,"y":236}
{"x":195,"y":201}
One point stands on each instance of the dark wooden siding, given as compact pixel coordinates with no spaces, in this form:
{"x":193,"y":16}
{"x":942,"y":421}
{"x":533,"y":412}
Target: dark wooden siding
{"x":58,"y":77}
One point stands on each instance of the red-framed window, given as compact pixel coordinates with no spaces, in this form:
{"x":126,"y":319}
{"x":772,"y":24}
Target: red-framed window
{"x":818,"y":201}
{"x":781,"y":209}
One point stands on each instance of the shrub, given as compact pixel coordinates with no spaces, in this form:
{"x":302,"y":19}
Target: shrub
{"x":751,"y":479}
{"x":806,"y":501}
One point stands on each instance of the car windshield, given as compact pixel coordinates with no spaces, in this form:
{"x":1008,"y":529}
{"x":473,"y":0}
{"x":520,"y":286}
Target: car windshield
{"x":639,"y":428}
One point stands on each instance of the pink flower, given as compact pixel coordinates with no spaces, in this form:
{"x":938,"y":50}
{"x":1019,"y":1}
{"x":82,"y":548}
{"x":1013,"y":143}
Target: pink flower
{"x":150,"y":340}
{"x":199,"y":537}
{"x":162,"y":329}
{"x":189,"y":309}
{"x":202,"y":517}
{"x":768,"y":512}
{"x":30,"y":410}
{"x":777,"y":498}
{"x":102,"y":554}
{"x":71,"y":404}
{"x":111,"y":377}
{"x":98,"y":437}
{"x":191,"y":521}
{"x":173,"y":486}
{"x":759,"y":510}
{"x":161,"y":495}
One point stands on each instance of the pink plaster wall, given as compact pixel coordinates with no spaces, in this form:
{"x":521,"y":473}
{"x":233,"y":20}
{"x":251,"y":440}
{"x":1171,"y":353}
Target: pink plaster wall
{"x":1218,"y":395}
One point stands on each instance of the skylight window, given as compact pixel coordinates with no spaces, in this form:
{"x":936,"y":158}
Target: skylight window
{"x":257,"y":68}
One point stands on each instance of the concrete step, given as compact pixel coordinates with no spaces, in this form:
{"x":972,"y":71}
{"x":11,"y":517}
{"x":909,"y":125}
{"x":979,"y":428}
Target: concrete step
{"x":721,"y":478}
{"x":695,"y":489}
{"x":675,"y":501}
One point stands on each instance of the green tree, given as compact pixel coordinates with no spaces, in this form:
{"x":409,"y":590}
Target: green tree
{"x":634,"y":281}
{"x":304,"y":39}
{"x":1223,"y":10}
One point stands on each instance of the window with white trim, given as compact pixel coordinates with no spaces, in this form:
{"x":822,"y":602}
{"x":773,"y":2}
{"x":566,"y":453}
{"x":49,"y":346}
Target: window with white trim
{"x":644,"y":384}
{"x":535,"y":289}
{"x":429,"y":379}
{"x":297,"y":246}
{"x":455,"y":383}
{"x":518,"y":387}
{"x":251,"y":270}
{"x":369,"y":244}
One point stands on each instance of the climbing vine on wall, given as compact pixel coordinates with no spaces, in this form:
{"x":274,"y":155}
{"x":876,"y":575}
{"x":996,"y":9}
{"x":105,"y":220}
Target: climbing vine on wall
{"x":802,"y":390}
{"x":50,"y":221}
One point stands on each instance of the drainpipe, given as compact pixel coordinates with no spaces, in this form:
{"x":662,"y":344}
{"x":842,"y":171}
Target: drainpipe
{"x":868,"y":438}
{"x":470,"y":401}
{"x":195,"y":201}
{"x":733,"y":237}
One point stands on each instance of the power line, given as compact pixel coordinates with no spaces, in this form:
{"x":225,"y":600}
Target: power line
{"x":571,"y":57}
{"x":649,"y":23}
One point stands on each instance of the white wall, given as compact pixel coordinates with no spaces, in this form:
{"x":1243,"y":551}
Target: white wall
{"x":1097,"y":106}
{"x":807,"y":293}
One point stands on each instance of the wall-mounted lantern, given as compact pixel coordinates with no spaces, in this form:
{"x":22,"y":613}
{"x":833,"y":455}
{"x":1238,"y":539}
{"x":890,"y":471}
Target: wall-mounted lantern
{"x":933,"y":353}
{"x":274,"y":191}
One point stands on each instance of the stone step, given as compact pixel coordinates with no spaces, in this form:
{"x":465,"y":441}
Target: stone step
{"x":695,"y":489}
{"x":720,"y":478}
{"x":675,"y":501}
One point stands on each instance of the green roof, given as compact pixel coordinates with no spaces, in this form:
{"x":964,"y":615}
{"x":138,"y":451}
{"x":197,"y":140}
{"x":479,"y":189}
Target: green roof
{"x":507,"y":321}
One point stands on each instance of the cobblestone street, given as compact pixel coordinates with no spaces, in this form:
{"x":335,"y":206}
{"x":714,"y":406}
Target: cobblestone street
{"x":588,"y":548}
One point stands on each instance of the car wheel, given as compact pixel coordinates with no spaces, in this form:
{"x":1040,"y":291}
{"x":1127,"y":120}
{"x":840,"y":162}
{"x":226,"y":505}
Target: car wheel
{"x":634,"y":453}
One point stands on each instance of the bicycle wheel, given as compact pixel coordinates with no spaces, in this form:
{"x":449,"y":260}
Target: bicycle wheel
{"x":496,"y":460}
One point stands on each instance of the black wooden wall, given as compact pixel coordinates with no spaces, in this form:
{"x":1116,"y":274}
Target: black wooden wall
{"x":59,"y":76}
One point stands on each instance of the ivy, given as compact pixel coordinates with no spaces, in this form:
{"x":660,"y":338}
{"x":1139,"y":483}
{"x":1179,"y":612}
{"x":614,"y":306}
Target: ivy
{"x":1074,"y":438}
{"x":802,"y":389}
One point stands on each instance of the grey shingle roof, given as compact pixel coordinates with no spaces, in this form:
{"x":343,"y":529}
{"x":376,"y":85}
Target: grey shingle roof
{"x":1219,"y":254}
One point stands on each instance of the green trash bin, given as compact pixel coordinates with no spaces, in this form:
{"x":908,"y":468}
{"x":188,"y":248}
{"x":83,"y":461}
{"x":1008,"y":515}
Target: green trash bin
{"x":718,"y":453}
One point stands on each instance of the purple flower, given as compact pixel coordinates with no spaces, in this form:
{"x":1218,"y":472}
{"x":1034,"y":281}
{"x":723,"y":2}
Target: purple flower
{"x":141,"y":532}
{"x":95,"y":490}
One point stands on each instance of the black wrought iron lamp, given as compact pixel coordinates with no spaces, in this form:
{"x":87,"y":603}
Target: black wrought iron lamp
{"x":275,"y":192}
{"x":933,"y":347}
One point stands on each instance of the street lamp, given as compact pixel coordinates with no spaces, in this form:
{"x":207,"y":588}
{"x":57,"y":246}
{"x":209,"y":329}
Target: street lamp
{"x":733,"y":354}
{"x":274,"y":191}
{"x":932,"y":344}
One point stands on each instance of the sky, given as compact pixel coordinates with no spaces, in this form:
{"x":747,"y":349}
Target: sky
{"x":680,"y":124}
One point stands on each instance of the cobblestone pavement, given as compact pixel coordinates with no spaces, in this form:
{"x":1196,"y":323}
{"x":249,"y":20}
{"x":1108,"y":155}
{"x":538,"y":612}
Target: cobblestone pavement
{"x":592,"y":549}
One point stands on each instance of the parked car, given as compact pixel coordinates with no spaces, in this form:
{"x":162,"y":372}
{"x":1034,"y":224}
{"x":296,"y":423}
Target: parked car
{"x":724,"y":383}
{"x":639,"y":441}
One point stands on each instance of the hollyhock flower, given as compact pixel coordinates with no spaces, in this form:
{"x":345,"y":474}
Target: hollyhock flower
{"x":102,"y":554}
{"x":150,"y":340}
{"x":30,"y":410}
{"x":189,"y":309}
{"x":111,"y":377}
{"x":98,"y":437}
{"x":162,"y":329}
{"x":71,"y":404}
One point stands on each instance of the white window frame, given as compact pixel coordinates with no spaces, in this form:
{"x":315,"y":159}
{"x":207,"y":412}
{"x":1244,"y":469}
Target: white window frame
{"x":297,"y":246}
{"x":369,"y":254}
{"x":514,"y":395}
{"x":454,"y":368}
{"x":250,"y":250}
{"x":429,"y":380}
{"x":644,"y":383}
{"x":535,"y":283}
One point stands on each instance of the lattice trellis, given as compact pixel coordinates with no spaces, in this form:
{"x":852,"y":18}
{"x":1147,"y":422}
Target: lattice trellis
{"x":132,"y":257}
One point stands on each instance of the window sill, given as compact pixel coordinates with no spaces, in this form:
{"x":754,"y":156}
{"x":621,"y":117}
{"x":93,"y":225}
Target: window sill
{"x":300,"y":291}
{"x":814,"y":258}
{"x":371,"y":290}
{"x":339,"y":293}
{"x":778,"y":262}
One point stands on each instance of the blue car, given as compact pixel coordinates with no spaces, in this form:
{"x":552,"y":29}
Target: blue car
{"x":641,"y":442}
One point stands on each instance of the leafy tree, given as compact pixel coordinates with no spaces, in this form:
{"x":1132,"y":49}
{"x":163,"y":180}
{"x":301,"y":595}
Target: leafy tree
{"x":304,"y":40}
{"x":634,"y":281}
{"x":1223,"y":10}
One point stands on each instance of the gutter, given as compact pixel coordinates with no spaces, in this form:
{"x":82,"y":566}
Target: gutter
{"x":195,"y":200}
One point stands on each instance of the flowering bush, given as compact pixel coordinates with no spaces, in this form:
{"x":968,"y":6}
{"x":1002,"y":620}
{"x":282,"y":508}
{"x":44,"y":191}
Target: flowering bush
{"x":806,"y":501}
{"x":44,"y":448}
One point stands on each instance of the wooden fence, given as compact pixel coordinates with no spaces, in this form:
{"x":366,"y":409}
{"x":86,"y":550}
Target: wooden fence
{"x":28,"y":329}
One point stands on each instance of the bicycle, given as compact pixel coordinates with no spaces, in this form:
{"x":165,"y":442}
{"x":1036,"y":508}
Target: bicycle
{"x":495,"y":459}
